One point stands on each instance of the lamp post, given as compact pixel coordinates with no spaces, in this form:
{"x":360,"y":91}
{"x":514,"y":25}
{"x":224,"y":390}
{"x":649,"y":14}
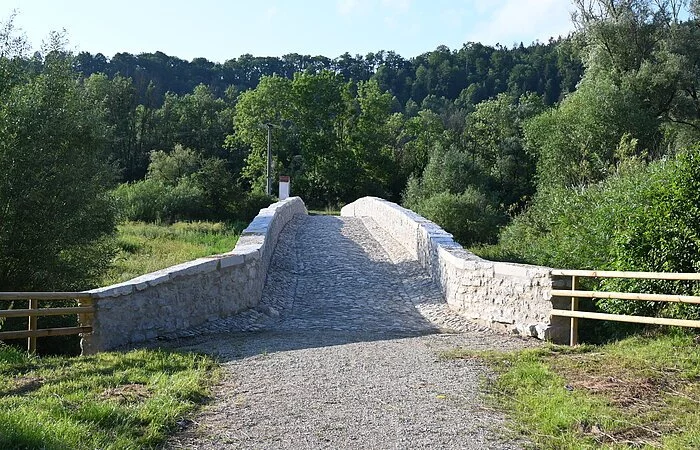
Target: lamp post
{"x":268,"y":189}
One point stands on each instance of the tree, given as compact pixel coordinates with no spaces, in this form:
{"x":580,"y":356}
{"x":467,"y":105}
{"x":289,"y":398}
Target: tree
{"x":369,"y":138}
{"x":270,"y":102}
{"x":576,"y":142}
{"x":644,"y":47}
{"x":118,"y":98}
{"x":57,"y":216}
{"x":494,"y":138}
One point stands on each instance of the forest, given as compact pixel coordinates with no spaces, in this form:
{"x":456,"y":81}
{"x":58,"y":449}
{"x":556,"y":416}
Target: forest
{"x":581,"y":152}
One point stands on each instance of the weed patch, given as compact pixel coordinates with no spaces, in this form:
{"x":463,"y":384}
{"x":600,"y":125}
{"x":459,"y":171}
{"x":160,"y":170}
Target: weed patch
{"x":642,"y":392}
{"x":147,"y":247}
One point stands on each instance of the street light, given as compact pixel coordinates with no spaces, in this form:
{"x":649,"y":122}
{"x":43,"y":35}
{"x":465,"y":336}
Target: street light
{"x":268,"y":189}
{"x":285,"y":124}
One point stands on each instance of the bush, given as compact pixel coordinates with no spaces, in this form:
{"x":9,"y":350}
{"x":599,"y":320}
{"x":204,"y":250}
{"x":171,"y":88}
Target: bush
{"x":185,"y":201}
{"x":643,"y":218}
{"x":153,"y":201}
{"x":180,"y":186}
{"x":663,"y":235}
{"x":169,"y":168}
{"x":446,"y":194}
{"x":140,"y":201}
{"x":250,"y":205}
{"x":469,"y":216}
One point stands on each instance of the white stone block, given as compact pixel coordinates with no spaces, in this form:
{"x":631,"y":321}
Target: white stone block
{"x":115,"y":290}
{"x":151,"y":279}
{"x":231,"y":260}
{"x":249,"y":252}
{"x":198,"y":266}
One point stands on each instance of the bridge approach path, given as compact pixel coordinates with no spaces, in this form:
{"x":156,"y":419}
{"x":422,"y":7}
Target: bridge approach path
{"x":344,"y":352}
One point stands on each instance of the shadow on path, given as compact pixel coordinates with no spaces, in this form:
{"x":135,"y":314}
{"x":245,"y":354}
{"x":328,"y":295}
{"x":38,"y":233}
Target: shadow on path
{"x":331,"y":283}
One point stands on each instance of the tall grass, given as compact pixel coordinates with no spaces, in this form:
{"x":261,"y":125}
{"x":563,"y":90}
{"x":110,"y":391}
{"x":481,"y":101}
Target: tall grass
{"x":147,"y":247}
{"x":641,"y":392}
{"x":107,"y":401}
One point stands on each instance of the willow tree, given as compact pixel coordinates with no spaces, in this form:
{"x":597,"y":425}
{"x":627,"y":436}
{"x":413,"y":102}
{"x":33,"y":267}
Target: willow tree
{"x":56,"y":216}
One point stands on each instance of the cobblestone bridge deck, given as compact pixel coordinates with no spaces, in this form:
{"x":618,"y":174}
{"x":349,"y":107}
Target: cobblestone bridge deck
{"x":343,"y":352}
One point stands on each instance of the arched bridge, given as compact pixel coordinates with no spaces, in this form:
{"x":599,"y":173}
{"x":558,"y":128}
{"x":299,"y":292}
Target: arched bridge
{"x":378,"y":268}
{"x":331,"y":330}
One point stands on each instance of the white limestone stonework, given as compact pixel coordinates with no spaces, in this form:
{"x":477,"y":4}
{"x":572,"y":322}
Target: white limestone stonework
{"x":191,"y":294}
{"x":504,"y":296}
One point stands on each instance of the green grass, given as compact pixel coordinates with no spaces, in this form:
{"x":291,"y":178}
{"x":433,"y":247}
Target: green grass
{"x":107,"y":401}
{"x":325,"y":212}
{"x":641,"y":392}
{"x":145,"y":247}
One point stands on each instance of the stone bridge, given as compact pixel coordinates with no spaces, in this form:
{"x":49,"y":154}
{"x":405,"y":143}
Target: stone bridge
{"x":379,"y":268}
{"x":332,"y":332}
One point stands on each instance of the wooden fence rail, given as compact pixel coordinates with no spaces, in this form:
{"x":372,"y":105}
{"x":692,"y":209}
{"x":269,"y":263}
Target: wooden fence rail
{"x":84,"y":310}
{"x":574,"y":293}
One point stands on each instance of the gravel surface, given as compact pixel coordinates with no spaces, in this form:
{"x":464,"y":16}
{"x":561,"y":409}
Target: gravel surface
{"x":344,"y":352}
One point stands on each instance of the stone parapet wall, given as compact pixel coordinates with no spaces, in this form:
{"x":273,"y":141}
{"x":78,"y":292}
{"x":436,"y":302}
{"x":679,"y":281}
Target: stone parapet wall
{"x":187,"y":295}
{"x":504,"y":296}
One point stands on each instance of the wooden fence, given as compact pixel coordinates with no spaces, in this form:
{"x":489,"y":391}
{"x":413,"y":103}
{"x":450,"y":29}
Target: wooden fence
{"x":85,"y":310}
{"x":574,"y":293}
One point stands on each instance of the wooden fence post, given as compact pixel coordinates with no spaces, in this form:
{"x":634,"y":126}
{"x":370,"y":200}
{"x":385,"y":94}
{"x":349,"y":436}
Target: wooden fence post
{"x":573,"y":338}
{"x":33,"y":321}
{"x":85,"y":319}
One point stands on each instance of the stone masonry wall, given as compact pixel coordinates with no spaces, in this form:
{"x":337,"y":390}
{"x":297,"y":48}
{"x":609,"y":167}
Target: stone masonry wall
{"x":508,"y":297}
{"x":186,"y":295}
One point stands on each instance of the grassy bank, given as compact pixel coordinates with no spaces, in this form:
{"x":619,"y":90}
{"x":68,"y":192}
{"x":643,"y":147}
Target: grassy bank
{"x":107,"y":401}
{"x":325,"y":212}
{"x":642,"y":392}
{"x":147,"y":247}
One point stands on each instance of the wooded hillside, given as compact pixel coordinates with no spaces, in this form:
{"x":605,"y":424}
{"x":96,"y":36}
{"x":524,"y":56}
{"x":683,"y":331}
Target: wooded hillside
{"x":576,"y":153}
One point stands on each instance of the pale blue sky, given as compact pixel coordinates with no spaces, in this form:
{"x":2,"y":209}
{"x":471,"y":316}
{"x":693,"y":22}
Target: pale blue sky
{"x":221,"y":30}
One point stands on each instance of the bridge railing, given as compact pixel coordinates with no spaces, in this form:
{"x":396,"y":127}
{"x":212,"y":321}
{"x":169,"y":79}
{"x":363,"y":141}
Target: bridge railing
{"x":571,"y":279}
{"x":84,"y":310}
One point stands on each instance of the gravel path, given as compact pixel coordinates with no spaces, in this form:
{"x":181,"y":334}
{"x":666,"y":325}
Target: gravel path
{"x":344,"y":352}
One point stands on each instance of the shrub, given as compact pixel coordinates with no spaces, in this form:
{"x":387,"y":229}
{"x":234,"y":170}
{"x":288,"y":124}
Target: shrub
{"x":446,"y":193}
{"x":663,"y":235}
{"x":643,"y":218}
{"x":180,"y":186}
{"x":169,"y":168}
{"x":470,"y":216}
{"x":250,"y":205}
{"x":141,"y":201}
{"x":185,"y":201}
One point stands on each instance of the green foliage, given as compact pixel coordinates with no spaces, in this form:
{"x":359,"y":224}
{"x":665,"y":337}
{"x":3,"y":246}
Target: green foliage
{"x":117,"y":97}
{"x":663,"y":235}
{"x":249,"y":205}
{"x":447,"y":194}
{"x":169,"y":168}
{"x":599,"y":205}
{"x":643,"y":218}
{"x":642,"y":391}
{"x":332,"y":142}
{"x":57,"y":215}
{"x":494,"y":139}
{"x":142,"y":200}
{"x":469,"y":215}
{"x":415,"y":139}
{"x":575,"y":143}
{"x":468,"y":187}
{"x":153,"y":201}
{"x":147,"y":247}
{"x":181,"y":185}
{"x":110,"y":401}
